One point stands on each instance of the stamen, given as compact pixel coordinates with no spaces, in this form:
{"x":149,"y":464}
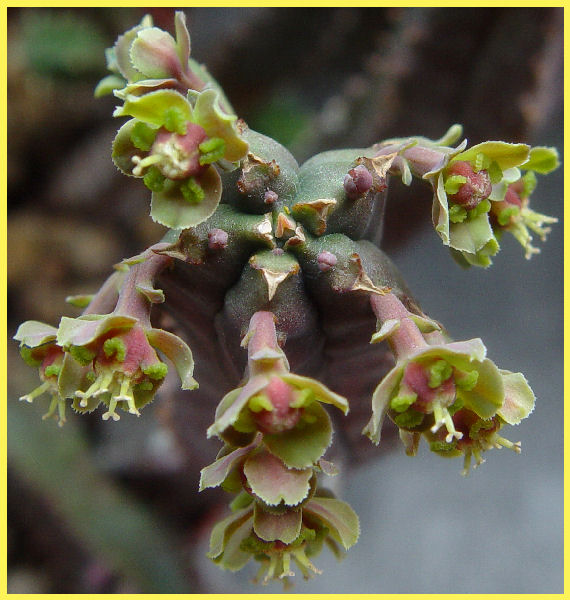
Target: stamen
{"x":111,"y":412}
{"x":143,"y":163}
{"x":466,"y":463}
{"x":442,"y":417}
{"x":286,"y":566}
{"x":44,"y":387}
{"x":126,"y":395}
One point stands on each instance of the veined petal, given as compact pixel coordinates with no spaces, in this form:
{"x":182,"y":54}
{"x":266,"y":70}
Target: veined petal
{"x":285,"y":527}
{"x":81,"y":331}
{"x":440,"y":211}
{"x":487,"y":397}
{"x":273,"y":482}
{"x":153,"y":107}
{"x":182,"y":38}
{"x":224,"y":529}
{"x":504,"y":154}
{"x":386,"y":330}
{"x":471,"y":235}
{"x":302,"y":447}
{"x":153,"y":53}
{"x":122,"y":50}
{"x":543,"y":160}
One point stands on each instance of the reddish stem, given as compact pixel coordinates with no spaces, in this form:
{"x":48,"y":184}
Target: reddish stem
{"x":262,"y":335}
{"x":407,"y":338}
{"x":133,"y":303}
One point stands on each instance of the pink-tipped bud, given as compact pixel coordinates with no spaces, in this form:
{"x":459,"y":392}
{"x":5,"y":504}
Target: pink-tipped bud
{"x":477,"y":187}
{"x":326,"y":260}
{"x":270,"y":197}
{"x":357,"y":182}
{"x":217,"y":239}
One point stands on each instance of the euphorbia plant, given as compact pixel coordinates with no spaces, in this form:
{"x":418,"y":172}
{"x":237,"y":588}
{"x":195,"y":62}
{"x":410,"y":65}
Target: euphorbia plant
{"x":281,"y":256}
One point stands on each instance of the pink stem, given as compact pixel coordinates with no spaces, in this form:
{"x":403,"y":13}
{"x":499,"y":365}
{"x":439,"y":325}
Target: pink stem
{"x":133,"y":303}
{"x":407,"y":338}
{"x":262,"y":335}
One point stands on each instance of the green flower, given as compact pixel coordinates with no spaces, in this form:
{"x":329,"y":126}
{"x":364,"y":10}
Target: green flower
{"x":39,"y":349}
{"x":121,"y":352}
{"x":146,"y":58}
{"x":284,"y":406}
{"x":463,"y":194}
{"x":510,"y":210}
{"x":281,"y":542}
{"x":173,"y":143}
{"x":480,"y":435}
{"x":470,"y":186}
{"x":422,"y":390}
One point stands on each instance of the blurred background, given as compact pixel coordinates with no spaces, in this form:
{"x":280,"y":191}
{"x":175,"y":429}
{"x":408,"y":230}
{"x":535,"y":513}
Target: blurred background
{"x":99,"y":508}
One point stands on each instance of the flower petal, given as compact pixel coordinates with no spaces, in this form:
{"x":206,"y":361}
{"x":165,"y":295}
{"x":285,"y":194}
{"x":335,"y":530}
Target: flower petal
{"x":35,"y":333}
{"x":472,"y":235}
{"x":153,"y":107}
{"x":170,"y":208}
{"x":338,"y":516}
{"x":322,"y":392}
{"x":236,"y":527}
{"x":303,"y":445}
{"x":381,"y":402}
{"x":233,"y":402}
{"x":122,"y":50}
{"x":154,"y":54}
{"x":213,"y":475}
{"x":209,"y":115}
{"x":519,"y":398}
{"x":504,"y":154}
{"x":488,"y":394}
{"x":273,"y":482}
{"x":285,"y":527}
{"x":81,"y":331}
{"x":386,"y":330}
{"x":543,"y":160}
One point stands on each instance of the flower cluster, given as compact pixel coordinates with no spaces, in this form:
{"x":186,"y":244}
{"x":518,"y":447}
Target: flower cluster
{"x":479,"y":192}
{"x":286,"y":246}
{"x":275,"y":434}
{"x":107,"y":358}
{"x":447,"y":391}
{"x":181,"y":130}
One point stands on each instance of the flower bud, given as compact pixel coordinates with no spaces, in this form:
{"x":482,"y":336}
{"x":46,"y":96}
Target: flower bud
{"x":357,"y":182}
